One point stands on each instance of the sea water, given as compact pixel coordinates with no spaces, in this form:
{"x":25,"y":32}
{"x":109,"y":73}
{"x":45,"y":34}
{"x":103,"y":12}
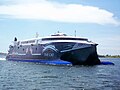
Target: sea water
{"x":35,"y":76}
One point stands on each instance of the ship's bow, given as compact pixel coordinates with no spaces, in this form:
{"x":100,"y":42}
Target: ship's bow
{"x":81,"y":56}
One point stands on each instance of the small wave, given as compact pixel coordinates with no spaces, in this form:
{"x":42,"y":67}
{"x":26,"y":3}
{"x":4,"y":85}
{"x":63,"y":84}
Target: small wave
{"x":2,"y":59}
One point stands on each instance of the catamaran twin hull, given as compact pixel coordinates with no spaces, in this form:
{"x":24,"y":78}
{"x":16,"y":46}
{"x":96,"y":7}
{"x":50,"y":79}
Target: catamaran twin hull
{"x":85,"y":56}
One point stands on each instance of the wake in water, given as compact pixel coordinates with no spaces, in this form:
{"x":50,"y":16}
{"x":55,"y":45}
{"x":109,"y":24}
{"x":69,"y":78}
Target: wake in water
{"x":2,"y":59}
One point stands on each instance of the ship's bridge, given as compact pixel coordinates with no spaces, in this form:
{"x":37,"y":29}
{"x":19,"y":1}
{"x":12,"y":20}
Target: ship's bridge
{"x":59,"y":34}
{"x":62,"y":36}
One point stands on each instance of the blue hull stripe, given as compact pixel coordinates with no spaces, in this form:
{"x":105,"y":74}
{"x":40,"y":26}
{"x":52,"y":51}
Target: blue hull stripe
{"x":52,"y":62}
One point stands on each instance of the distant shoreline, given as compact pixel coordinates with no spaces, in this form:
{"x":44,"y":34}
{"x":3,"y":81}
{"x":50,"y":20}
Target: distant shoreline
{"x":3,"y":53}
{"x":109,"y":56}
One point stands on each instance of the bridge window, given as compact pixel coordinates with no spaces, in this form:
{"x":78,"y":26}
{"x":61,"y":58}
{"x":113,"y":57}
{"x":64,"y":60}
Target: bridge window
{"x":64,"y":39}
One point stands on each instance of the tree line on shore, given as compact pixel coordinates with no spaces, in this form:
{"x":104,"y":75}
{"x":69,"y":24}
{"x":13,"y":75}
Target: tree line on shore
{"x":3,"y":53}
{"x":110,"y":56}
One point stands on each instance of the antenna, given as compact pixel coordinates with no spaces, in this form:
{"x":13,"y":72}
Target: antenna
{"x":58,"y":32}
{"x":75,"y":33}
{"x":37,"y":34}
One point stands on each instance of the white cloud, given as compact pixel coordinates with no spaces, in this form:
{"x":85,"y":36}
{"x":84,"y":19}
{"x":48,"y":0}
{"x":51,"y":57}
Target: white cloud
{"x":54,"y":11}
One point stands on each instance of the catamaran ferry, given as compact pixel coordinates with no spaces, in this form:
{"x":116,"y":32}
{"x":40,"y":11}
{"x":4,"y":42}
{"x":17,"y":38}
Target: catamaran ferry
{"x":55,"y":49}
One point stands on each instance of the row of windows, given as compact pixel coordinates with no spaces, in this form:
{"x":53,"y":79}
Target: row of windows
{"x":25,"y":42}
{"x":64,"y":39}
{"x":44,"y":39}
{"x":24,"y":49}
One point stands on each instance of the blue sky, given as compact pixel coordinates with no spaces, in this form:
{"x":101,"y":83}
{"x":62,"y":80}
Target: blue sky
{"x":97,"y":20}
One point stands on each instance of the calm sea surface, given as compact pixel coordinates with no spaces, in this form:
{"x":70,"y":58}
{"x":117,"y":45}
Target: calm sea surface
{"x":34,"y":76}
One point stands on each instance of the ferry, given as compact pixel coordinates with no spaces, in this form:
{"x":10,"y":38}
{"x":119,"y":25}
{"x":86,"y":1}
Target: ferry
{"x":54,"y":49}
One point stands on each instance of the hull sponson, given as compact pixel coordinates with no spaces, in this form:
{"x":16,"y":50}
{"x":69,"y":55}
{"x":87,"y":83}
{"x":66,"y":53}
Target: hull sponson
{"x":84,"y":56}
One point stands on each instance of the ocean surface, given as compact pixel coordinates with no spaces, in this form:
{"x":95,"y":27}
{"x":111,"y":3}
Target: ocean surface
{"x":35,"y":76}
